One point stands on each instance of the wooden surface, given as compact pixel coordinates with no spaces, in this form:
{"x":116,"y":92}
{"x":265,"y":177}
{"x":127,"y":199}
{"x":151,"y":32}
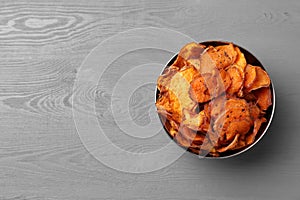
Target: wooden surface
{"x":42,"y":45}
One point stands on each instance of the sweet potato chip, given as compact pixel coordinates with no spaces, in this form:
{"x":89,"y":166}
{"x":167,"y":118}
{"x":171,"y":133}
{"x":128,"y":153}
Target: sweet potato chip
{"x":241,"y":64}
{"x":264,"y":97}
{"x":262,"y":79}
{"x":169,"y":106}
{"x":164,"y":80}
{"x":182,"y":139}
{"x":190,"y":51}
{"x":188,"y":73}
{"x":176,"y":96}
{"x":216,"y":107}
{"x":240,"y":59}
{"x":171,"y":126}
{"x":226,"y":80}
{"x":207,"y":63}
{"x":220,"y":57}
{"x":231,"y":146}
{"x":226,"y":55}
{"x":194,"y":63}
{"x":231,"y":119}
{"x":203,"y":88}
{"x":194,"y":120}
{"x":241,"y":126}
{"x":236,"y":79}
{"x":198,"y":90}
{"x":257,"y":124}
{"x":221,"y":82}
{"x":189,"y":138}
{"x":254,"y":111}
{"x":250,"y":76}
{"x":180,"y":85}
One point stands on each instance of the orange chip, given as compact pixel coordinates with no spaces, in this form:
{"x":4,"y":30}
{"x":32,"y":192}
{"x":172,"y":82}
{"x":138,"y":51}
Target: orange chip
{"x":198,"y":90}
{"x":262,"y":79}
{"x":231,"y":119}
{"x":206,"y":147}
{"x":257,"y":124}
{"x":226,"y":55}
{"x":188,"y":138}
{"x":236,"y":79}
{"x":194,"y":63}
{"x":175,"y":93}
{"x":180,"y":85}
{"x":226,"y":79}
{"x":264,"y":97}
{"x":223,"y":82}
{"x":188,"y":73}
{"x":202,"y":88}
{"x":254,"y":111}
{"x":249,"y":97}
{"x":190,"y":51}
{"x":168,"y":106}
{"x":163,"y":80}
{"x":250,"y":76}
{"x":207,"y":62}
{"x":241,"y":126}
{"x":182,"y":139}
{"x":194,"y":121}
{"x":241,"y":64}
{"x":216,"y":107}
{"x":233,"y":145}
{"x":240,"y":59}
{"x":220,"y":57}
{"x":171,"y":126}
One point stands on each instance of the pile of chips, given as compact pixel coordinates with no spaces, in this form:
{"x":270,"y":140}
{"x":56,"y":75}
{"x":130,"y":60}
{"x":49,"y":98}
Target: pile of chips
{"x":211,"y":100}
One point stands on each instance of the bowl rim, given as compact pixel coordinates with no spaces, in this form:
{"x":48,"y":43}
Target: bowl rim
{"x":168,"y":64}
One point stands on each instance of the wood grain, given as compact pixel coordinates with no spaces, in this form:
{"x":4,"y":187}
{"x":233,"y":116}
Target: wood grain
{"x":42,"y":45}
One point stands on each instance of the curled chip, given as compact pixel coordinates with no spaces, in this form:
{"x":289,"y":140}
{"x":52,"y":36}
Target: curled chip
{"x":261,"y":79}
{"x":199,"y":89}
{"x":221,"y":56}
{"x":240,"y":59}
{"x":264,"y":97}
{"x":189,"y":53}
{"x":250,"y":76}
{"x":211,"y":101}
{"x":236,"y":79}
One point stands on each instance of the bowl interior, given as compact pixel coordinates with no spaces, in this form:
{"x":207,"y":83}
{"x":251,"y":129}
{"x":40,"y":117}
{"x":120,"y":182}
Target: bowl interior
{"x":251,"y":59}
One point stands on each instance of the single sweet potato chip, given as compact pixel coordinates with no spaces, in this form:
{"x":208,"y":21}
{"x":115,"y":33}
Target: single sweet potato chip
{"x":257,"y":124}
{"x":194,"y":121}
{"x":240,"y":59}
{"x":235,"y":119}
{"x":264,"y":97}
{"x":188,"y":52}
{"x":241,"y":64}
{"x":203,"y":88}
{"x":175,"y":93}
{"x":226,"y":55}
{"x":189,"y":138}
{"x":219,"y":57}
{"x":250,"y":76}
{"x":236,"y":79}
{"x":262,"y":79}
{"x":233,"y":145}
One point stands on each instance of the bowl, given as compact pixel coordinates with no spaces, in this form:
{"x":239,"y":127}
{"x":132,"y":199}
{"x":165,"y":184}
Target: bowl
{"x":251,"y":59}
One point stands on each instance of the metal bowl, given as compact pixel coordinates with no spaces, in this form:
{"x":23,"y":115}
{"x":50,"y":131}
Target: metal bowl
{"x":251,"y":59}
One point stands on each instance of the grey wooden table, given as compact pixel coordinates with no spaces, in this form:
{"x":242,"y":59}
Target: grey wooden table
{"x":42,"y":46}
